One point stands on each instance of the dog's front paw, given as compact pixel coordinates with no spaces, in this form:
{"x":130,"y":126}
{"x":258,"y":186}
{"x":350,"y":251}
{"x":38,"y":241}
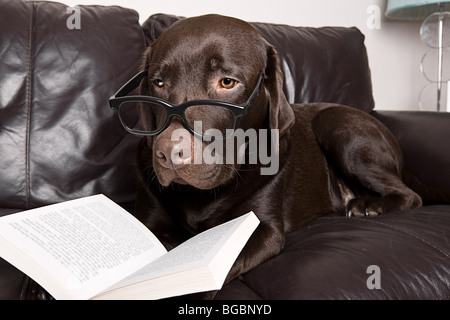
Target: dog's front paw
{"x":364,"y":207}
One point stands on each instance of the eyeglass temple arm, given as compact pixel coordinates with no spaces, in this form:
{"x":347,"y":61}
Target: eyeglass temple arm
{"x":132,"y":84}
{"x":254,"y":96}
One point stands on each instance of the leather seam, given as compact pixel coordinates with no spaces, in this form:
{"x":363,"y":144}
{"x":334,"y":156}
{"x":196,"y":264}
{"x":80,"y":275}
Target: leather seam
{"x":29,"y":95}
{"x":26,"y":280}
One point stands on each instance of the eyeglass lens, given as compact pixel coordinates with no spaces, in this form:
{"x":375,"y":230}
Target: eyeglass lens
{"x":203,"y":119}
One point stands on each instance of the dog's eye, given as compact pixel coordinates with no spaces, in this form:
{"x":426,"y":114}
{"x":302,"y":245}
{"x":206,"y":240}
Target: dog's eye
{"x":227,"y":83}
{"x":159,"y":83}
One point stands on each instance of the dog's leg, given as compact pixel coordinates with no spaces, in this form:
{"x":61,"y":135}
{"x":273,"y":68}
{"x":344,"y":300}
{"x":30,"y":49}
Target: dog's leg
{"x":265,"y":243}
{"x":366,"y":154}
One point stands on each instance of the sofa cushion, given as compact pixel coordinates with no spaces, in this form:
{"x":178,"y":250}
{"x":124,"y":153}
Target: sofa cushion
{"x":336,"y":257}
{"x":317,"y":66}
{"x":59,"y":138}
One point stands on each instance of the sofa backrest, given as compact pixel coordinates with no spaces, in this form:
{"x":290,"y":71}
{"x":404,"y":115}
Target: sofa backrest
{"x":58,"y":137}
{"x":326,"y":64}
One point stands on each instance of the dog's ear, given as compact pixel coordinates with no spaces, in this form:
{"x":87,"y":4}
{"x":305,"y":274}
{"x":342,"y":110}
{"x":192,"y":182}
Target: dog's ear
{"x":281,"y":115}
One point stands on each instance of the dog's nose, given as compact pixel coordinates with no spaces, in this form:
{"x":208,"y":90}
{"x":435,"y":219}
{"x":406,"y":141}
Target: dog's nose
{"x":171,"y":154}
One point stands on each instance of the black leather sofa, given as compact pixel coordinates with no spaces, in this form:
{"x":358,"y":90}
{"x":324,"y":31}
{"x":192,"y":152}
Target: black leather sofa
{"x":59,"y":140}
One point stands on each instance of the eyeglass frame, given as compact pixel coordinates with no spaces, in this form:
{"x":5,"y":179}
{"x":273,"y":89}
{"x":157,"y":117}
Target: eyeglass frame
{"x":172,"y":110}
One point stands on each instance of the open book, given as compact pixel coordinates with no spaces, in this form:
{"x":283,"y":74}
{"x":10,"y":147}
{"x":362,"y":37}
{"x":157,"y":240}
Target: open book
{"x":91,"y":248}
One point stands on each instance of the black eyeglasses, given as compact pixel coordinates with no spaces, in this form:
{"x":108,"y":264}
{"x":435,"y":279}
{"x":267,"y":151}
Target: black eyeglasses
{"x":198,"y":116}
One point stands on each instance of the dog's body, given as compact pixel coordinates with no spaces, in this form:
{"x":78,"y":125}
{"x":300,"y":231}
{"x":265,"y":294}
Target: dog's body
{"x":331,"y":158}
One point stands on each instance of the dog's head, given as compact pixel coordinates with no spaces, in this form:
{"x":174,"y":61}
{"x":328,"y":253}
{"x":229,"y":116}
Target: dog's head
{"x":210,"y":58}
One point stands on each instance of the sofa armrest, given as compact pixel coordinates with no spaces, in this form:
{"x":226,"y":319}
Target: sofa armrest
{"x":424,"y":138}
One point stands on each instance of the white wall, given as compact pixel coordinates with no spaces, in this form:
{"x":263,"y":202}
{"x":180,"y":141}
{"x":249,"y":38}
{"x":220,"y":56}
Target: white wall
{"x":394,"y":50}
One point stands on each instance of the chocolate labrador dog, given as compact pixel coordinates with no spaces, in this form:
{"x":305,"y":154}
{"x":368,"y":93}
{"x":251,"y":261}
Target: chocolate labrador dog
{"x":211,"y":78}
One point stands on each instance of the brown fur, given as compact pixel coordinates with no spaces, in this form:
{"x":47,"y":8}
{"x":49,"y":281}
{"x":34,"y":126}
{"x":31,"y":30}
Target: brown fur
{"x":332,"y":158}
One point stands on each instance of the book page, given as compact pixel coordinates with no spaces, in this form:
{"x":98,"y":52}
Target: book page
{"x":195,"y":252}
{"x":86,"y":244}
